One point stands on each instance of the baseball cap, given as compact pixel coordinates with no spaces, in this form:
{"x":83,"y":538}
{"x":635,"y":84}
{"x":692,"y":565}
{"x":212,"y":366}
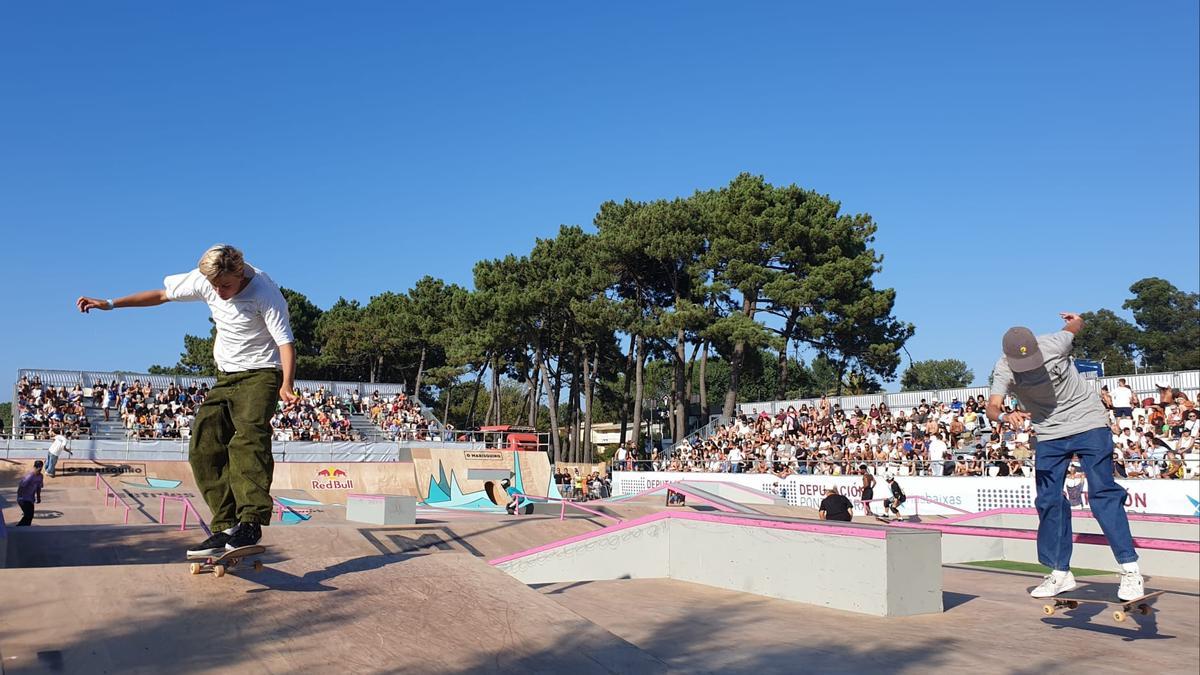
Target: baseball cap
{"x":1021,"y":350}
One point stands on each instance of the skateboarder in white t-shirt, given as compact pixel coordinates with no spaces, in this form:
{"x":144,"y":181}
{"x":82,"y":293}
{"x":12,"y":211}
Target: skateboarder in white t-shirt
{"x":230,"y":445}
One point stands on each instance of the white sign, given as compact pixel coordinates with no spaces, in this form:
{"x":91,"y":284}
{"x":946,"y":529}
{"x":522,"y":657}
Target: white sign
{"x":940,"y":496}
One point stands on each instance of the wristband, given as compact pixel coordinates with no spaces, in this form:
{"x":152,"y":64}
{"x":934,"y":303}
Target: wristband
{"x":110,"y":304}
{"x":1001,"y":418}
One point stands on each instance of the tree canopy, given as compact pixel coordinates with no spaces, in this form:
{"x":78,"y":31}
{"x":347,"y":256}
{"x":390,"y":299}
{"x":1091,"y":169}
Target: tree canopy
{"x":663,"y":311}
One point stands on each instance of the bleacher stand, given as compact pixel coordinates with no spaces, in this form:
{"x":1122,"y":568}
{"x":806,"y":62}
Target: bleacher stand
{"x":112,"y":405}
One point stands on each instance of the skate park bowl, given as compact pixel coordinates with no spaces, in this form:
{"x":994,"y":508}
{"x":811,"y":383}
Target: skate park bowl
{"x":896,"y":572}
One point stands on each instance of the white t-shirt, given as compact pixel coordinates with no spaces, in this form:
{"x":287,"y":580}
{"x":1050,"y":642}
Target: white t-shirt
{"x":938,"y":450}
{"x":250,"y":326}
{"x":59,"y":444}
{"x":1122,"y":397}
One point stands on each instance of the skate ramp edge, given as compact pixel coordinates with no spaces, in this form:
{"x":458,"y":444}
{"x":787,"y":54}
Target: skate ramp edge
{"x":895,"y":572}
{"x":454,"y":612}
{"x":736,"y":493}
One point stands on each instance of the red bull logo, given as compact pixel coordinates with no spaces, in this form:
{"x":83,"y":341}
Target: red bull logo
{"x":332,"y":478}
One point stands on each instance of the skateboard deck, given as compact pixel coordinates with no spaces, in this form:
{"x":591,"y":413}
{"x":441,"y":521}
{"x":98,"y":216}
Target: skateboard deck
{"x":219,"y":564}
{"x":884,"y":519}
{"x":1072,"y":599}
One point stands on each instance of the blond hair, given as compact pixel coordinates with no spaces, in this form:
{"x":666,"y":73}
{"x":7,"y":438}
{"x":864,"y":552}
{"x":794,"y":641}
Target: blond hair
{"x":221,"y":259}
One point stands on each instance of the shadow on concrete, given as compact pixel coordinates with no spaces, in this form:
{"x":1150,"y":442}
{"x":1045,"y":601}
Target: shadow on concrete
{"x":271,"y":579}
{"x":950,"y":600}
{"x":80,"y":546}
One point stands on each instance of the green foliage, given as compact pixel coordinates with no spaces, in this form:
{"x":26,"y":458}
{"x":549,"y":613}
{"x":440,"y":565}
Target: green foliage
{"x":1166,"y":335}
{"x":6,"y":415}
{"x":681,"y":276}
{"x":936,"y":374}
{"x":1169,"y":320}
{"x":1107,"y":338}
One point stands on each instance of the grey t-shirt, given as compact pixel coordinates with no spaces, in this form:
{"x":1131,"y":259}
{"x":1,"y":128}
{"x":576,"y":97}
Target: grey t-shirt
{"x":1060,"y":402}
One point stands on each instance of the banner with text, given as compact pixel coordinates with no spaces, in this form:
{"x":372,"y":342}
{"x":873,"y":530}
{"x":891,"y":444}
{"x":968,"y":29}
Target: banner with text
{"x":941,"y":496}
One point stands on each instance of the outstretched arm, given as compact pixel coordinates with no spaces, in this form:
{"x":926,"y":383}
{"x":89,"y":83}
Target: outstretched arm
{"x":142,"y":299}
{"x":1074,"y":322}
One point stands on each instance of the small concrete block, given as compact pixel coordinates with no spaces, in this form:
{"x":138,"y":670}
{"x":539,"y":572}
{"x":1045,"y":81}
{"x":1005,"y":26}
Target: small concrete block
{"x":382,"y":509}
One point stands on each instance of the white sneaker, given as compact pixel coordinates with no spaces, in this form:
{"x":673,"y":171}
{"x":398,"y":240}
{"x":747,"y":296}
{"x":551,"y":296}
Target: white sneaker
{"x":1053,"y":585}
{"x":1131,"y":586}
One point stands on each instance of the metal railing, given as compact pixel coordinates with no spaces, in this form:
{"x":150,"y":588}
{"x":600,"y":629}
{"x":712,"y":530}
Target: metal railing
{"x":187,"y":507}
{"x":112,"y":494}
{"x":563,"y":502}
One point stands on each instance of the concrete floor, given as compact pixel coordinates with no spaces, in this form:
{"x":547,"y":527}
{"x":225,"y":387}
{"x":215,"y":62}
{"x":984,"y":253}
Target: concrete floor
{"x":990,"y":625}
{"x":97,"y":596}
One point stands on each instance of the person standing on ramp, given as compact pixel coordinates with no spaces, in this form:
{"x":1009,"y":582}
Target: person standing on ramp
{"x":1069,"y":419}
{"x":230,"y":445}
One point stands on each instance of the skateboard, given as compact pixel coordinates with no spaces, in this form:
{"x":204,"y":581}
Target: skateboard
{"x":1142,"y":604}
{"x":890,"y":519}
{"x":227,"y":560}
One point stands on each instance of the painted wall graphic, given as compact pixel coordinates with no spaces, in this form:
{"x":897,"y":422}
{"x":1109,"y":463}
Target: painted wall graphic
{"x":530,"y":473}
{"x":155,"y":484}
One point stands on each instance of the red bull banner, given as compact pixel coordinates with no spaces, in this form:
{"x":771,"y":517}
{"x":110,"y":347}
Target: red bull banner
{"x":332,"y":478}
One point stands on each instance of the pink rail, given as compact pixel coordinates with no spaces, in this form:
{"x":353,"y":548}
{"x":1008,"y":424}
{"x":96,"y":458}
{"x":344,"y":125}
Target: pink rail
{"x":116,"y":497}
{"x":564,"y":503}
{"x":1079,"y":537}
{"x":1139,"y":517}
{"x":187,"y":507}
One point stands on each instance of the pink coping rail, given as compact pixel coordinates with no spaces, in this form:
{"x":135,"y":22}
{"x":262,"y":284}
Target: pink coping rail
{"x":818,"y":527}
{"x":187,"y":507}
{"x":1141,"y":517}
{"x":1079,"y":538}
{"x":110,"y":493}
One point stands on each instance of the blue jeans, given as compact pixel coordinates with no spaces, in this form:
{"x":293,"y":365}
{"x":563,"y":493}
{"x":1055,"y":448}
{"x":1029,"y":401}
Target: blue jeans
{"x":1106,"y":498}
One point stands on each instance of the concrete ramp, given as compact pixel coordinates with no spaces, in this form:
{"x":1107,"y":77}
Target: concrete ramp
{"x":442,"y":613}
{"x":859,"y":568}
{"x":736,"y":493}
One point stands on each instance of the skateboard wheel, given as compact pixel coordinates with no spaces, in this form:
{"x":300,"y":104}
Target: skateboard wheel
{"x":194,"y":568}
{"x":1048,"y":609}
{"x":219,"y":570}
{"x":1073,"y":605}
{"x":1145,"y":610}
{"x":1119,"y":615}
{"x":258,"y":565}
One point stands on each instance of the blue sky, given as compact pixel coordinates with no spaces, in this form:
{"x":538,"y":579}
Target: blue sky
{"x":1020,"y":158}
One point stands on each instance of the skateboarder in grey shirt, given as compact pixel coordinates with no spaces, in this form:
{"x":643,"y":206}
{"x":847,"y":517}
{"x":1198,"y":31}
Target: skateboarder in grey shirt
{"x":1069,"y":419}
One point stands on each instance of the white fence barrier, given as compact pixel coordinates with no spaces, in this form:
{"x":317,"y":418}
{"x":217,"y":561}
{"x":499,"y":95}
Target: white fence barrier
{"x":959,"y":494}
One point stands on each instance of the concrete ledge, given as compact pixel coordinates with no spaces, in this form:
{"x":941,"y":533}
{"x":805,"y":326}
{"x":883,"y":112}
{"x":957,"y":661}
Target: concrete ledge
{"x":858,"y":568}
{"x":381,"y":509}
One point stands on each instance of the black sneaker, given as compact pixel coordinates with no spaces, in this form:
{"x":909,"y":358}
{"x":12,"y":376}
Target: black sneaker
{"x":214,"y":545}
{"x":245,"y":534}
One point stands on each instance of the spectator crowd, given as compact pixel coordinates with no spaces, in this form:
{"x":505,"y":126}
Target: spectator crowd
{"x":398,"y":416}
{"x":45,"y":412}
{"x":1153,"y":438}
{"x":146,"y":412}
